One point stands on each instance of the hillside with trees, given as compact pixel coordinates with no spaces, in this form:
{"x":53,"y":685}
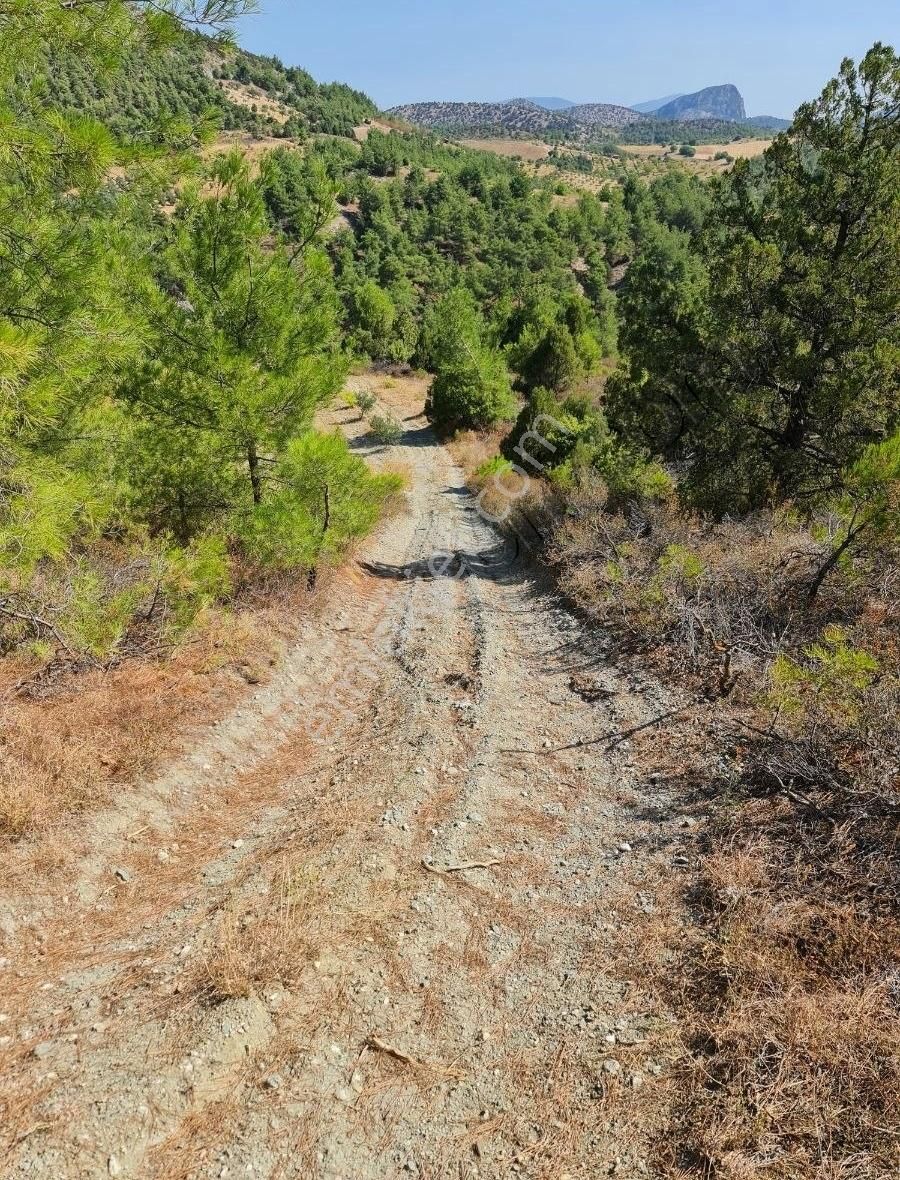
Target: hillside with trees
{"x":448,"y":626}
{"x":154,"y":91}
{"x":160,"y":373}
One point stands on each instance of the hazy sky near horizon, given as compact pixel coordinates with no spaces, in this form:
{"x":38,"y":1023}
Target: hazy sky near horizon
{"x":777,"y":52}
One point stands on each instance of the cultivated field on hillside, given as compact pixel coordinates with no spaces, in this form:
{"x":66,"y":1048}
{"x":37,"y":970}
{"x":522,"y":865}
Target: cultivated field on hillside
{"x":743,"y":149}
{"x":526,"y":149}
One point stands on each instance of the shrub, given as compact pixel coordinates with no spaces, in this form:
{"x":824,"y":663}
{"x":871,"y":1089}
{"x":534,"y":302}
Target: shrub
{"x":326,"y":498}
{"x":473,"y":396}
{"x":833,"y":675}
{"x":193,"y":579}
{"x":386,"y":430}
{"x":569,"y":438}
{"x":496,"y":465}
{"x":687,"y":149}
{"x":366,"y":402}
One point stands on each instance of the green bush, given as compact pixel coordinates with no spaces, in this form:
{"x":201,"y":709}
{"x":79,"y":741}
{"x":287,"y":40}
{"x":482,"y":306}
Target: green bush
{"x":474,"y":396}
{"x":386,"y":430}
{"x":326,"y":498}
{"x":366,"y":402}
{"x":193,"y":579}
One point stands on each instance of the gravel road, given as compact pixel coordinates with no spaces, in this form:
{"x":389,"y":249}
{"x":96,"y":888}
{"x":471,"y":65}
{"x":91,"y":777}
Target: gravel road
{"x":372,"y":924}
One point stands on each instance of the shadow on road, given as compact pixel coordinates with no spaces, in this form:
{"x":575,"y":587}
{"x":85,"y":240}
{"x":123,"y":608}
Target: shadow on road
{"x":492,"y":563}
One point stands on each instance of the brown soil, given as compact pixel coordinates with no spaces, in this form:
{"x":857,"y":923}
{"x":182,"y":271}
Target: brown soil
{"x":253,"y":97}
{"x":525,"y":149}
{"x":377,"y":922}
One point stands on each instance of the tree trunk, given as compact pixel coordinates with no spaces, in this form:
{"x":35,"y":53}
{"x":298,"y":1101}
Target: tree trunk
{"x":255,"y":477}
{"x":793,"y":436}
{"x":327,"y":519}
{"x":836,"y":555}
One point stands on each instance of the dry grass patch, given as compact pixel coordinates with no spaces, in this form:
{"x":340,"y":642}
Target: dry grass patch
{"x":471,"y":449}
{"x":71,"y":754}
{"x":254,"y":98}
{"x":182,"y":1155}
{"x":71,"y":741}
{"x":256,"y":946}
{"x":781,"y":954}
{"x":523,"y":149}
{"x":791,"y":1065}
{"x":499,"y":491}
{"x":73,"y":738}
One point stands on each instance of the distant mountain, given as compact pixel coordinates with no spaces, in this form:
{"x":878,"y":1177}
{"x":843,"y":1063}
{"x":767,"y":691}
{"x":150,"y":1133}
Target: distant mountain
{"x":715,"y":102}
{"x":553,"y":104}
{"x":768,"y":122}
{"x":717,"y":110}
{"x":516,"y":116}
{"x":603,"y":114}
{"x":651,"y":107}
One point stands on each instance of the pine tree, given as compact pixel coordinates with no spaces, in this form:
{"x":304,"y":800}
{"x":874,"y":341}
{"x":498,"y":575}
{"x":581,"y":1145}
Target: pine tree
{"x":764,"y":351}
{"x":242,"y":350}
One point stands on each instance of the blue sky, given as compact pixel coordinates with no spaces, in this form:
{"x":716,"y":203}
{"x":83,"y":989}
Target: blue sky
{"x":778,"y":52}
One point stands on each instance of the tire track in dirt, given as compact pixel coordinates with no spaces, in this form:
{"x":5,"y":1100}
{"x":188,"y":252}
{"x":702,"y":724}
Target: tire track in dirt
{"x":225,"y":1011}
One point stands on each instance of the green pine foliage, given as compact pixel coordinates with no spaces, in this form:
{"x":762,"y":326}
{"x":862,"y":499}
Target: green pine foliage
{"x":158,"y":373}
{"x":761,"y":350}
{"x":459,"y":220}
{"x":471,"y":389}
{"x":242,"y":348}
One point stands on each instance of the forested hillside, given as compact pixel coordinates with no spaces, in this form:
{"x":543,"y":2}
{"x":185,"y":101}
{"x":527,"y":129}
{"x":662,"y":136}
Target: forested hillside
{"x":151,"y":90}
{"x":159,"y":372}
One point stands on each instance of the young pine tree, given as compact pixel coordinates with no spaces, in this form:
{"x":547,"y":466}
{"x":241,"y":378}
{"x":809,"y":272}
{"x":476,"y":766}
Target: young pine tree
{"x":242,"y":350}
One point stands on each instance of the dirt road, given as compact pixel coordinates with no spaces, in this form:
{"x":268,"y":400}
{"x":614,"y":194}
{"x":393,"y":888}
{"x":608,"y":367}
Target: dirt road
{"x":376,"y":923}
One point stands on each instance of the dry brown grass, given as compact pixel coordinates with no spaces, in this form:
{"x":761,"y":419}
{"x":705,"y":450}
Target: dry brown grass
{"x":470,"y":448}
{"x":181,"y":1155}
{"x":363,"y":131}
{"x":524,"y":149}
{"x":784,"y":979}
{"x":249,"y":97}
{"x":253,"y":148}
{"x":72,"y":739}
{"x":745,"y":149}
{"x":790,"y":1063}
{"x":257,"y":946}
{"x":517,"y":509}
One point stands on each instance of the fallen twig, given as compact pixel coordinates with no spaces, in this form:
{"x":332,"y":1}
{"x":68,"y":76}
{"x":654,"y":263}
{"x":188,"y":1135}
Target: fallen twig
{"x":392,"y":1051}
{"x":37,"y":621}
{"x":460,"y":868}
{"x":615,"y":737}
{"x":23,"y":1135}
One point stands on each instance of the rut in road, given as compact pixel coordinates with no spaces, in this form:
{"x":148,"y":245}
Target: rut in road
{"x":297,"y":971}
